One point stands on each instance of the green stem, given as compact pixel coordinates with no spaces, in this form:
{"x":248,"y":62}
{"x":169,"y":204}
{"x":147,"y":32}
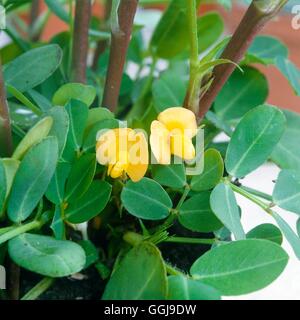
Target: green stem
{"x":36,"y":224}
{"x":190,"y":240}
{"x":20,"y":96}
{"x":193,"y":94}
{"x":173,"y":271}
{"x":251,"y":197}
{"x":183,"y":197}
{"x":258,"y":193}
{"x":38,"y":289}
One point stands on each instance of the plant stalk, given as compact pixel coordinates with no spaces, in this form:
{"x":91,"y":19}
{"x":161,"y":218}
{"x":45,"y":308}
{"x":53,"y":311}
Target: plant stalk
{"x":38,"y":289}
{"x":190,"y":240}
{"x":193,"y":94}
{"x":259,"y":13}
{"x":34,"y":14}
{"x":120,"y":38}
{"x":80,"y":40}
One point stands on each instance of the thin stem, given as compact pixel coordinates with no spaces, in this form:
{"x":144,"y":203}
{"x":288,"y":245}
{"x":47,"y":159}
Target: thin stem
{"x":120,"y":38}
{"x":251,"y":197}
{"x":6,"y":145}
{"x":38,"y":289}
{"x":193,"y":94}
{"x":36,"y":224}
{"x":20,"y":96}
{"x":258,"y":193}
{"x":80,"y":40}
{"x":173,"y":271}
{"x":190,"y":240}
{"x":183,"y":197}
{"x":257,"y":16}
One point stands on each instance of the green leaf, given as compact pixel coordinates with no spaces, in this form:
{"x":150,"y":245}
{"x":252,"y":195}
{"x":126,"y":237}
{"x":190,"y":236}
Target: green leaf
{"x":90,"y":204}
{"x":254,"y":139}
{"x":212,"y":173}
{"x":97,"y":115}
{"x":58,"y":9}
{"x":46,"y":256}
{"x":167,"y":92}
{"x":142,"y":275}
{"x":224,"y":205}
{"x":78,"y":115}
{"x":89,"y":142}
{"x":289,"y":234}
{"x":287,"y":191}
{"x":210,"y":29}
{"x":266,"y":49}
{"x":172,"y":175}
{"x":33,"y":67}
{"x":241,"y":267}
{"x":60,"y":126}
{"x":10,"y":166}
{"x":32,"y":179}
{"x":58,"y":225}
{"x":56,"y":189}
{"x":3,"y":187}
{"x":196,"y":214}
{"x":74,"y":91}
{"x":34,"y":136}
{"x":266,"y":231}
{"x":241,"y":93}
{"x":290,"y":71}
{"x":287,"y":153}
{"x":146,"y":199}
{"x":81,"y":177}
{"x":91,"y":252}
{"x":174,"y":21}
{"x":183,"y":288}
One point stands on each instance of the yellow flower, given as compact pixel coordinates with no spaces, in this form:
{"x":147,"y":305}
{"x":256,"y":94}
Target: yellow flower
{"x":123,"y":150}
{"x":172,"y":133}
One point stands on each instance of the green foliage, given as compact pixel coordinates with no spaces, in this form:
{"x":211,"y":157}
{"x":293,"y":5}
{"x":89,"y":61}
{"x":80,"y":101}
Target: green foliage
{"x":266,"y":231}
{"x":146,"y":199}
{"x":172,"y":176}
{"x":142,"y":273}
{"x":254,"y":140}
{"x":240,"y":267}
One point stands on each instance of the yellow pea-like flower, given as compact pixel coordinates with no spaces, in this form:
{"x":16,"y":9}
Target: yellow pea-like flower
{"x":124,"y":151}
{"x":172,"y":133}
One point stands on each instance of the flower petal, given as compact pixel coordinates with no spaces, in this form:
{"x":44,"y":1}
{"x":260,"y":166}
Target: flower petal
{"x":182,"y":146}
{"x":160,"y":142}
{"x":179,"y":118}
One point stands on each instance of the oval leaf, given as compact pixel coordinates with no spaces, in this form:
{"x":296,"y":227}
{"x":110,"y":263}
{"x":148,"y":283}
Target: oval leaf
{"x":32,"y":179}
{"x":172,"y":176}
{"x":212,"y":173}
{"x":81,"y":177}
{"x":146,"y":199}
{"x":90,"y":204}
{"x":46,"y":256}
{"x":141,"y":274}
{"x":241,"y":267}
{"x":183,"y":288}
{"x":287,"y":191}
{"x":266,"y":231}
{"x":196,"y":214}
{"x":33,"y":67}
{"x":254,"y":140}
{"x":34,"y":135}
{"x":224,"y":205}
